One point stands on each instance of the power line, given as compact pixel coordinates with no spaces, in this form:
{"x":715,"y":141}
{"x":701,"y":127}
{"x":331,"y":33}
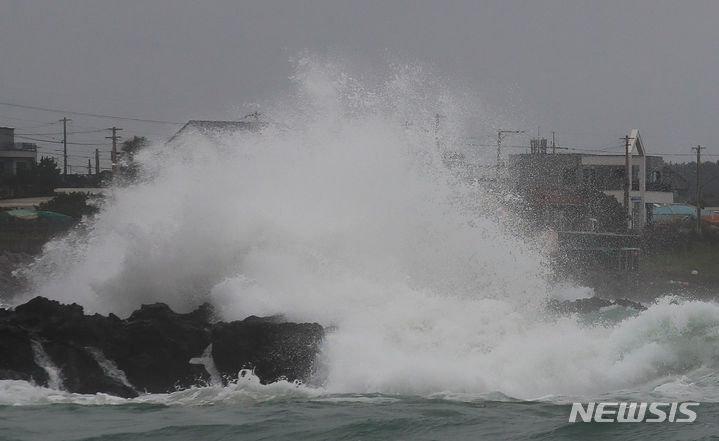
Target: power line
{"x":602,"y":149}
{"x":30,"y":120}
{"x":60,"y":133}
{"x":87,"y":143}
{"x":54,"y":141}
{"x":57,"y":141}
{"x":94,"y":115}
{"x":684,"y":154}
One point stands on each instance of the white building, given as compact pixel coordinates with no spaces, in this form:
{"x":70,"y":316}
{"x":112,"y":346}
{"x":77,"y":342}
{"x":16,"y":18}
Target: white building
{"x":542,"y":171}
{"x":15,"y":156}
{"x":641,"y":199}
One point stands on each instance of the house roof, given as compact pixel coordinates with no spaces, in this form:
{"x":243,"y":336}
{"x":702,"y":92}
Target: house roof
{"x":213,"y":129}
{"x":636,"y":146}
{"x":554,"y":196}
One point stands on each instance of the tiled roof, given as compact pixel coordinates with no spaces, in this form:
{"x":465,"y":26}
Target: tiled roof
{"x":213,"y":129}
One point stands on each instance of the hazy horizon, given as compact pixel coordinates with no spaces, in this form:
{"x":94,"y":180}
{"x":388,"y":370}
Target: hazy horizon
{"x":589,"y":72}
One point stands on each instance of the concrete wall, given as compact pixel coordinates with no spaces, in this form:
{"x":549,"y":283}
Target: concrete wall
{"x":13,"y":165}
{"x":13,"y":160}
{"x":14,"y":157}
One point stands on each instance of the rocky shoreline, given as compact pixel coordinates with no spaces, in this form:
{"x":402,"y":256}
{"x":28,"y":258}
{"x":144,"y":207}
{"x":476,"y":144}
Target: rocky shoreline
{"x":154,"y":350}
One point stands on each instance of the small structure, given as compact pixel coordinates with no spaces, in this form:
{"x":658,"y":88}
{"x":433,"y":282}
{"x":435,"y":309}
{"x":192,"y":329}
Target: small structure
{"x":15,"y":156}
{"x":712,"y":216}
{"x":683,"y":214}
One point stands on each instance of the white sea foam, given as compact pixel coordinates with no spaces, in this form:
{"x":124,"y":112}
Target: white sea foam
{"x":109,"y":368}
{"x":343,"y":212}
{"x":208,"y":363}
{"x":54,"y":374}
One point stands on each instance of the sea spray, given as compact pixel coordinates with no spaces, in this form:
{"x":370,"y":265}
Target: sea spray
{"x":349,"y":187}
{"x":343,"y":211}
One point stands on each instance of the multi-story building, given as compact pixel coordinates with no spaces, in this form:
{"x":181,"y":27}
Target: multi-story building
{"x":15,"y":156}
{"x":547,"y":173}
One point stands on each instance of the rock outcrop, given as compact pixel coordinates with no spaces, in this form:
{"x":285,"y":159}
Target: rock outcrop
{"x":591,"y":304}
{"x":49,"y":343}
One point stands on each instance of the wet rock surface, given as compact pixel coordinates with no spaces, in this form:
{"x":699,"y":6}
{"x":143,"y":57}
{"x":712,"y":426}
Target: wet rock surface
{"x":44,"y":341}
{"x":591,"y":304}
{"x":10,"y":282}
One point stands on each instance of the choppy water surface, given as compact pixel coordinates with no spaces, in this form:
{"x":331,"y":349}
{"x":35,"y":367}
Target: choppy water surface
{"x":331,"y":417}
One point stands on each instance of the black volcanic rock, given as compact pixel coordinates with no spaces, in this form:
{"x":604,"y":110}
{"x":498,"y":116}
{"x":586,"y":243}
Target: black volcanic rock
{"x":274,"y":350}
{"x":156,"y":345}
{"x":82,"y":373}
{"x":17,"y":361}
{"x":150,"y":351}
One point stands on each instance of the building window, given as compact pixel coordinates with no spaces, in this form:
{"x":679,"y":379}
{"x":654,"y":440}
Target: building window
{"x":19,"y":166}
{"x":655,"y":177}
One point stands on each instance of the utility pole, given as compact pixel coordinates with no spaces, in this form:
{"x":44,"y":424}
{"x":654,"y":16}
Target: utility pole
{"x":698,"y":193}
{"x":89,"y":167}
{"x":64,"y":146}
{"x":627,"y":182}
{"x":554,"y":146}
{"x":97,"y":162}
{"x":113,"y":156}
{"x":500,"y":135}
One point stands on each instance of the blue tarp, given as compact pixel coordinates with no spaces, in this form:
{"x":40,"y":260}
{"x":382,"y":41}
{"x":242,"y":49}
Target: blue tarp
{"x":28,"y":215}
{"x":677,"y":209}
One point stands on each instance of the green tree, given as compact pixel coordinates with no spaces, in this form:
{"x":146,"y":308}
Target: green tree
{"x":133,"y":145}
{"x":70,"y":204}
{"x":46,"y":174}
{"x":129,"y":168}
{"x":608,"y":212}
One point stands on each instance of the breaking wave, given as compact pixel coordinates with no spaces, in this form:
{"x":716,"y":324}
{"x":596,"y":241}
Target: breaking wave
{"x":342,"y":211}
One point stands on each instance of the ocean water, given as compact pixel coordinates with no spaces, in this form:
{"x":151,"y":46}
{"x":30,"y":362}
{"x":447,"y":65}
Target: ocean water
{"x":243,"y":415}
{"x":342,"y":211}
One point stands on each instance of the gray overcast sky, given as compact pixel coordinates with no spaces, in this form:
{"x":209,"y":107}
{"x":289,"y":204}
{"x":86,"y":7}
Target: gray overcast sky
{"x":589,"y":70}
